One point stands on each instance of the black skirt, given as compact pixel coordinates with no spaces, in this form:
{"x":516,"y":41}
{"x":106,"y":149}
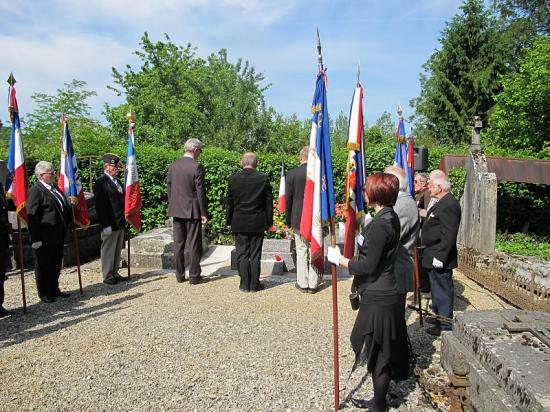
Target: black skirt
{"x":379,"y":336}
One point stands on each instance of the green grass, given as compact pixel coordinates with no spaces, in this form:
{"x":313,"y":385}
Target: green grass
{"x":523,"y":244}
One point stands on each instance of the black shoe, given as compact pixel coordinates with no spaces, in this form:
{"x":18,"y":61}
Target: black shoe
{"x":180,"y":280}
{"x":121,"y":278}
{"x":431,"y":320}
{"x":366,"y":404}
{"x":198,"y":280}
{"x":261,"y":286}
{"x":110,"y":281}
{"x":434,"y":331}
{"x":62,"y":295}
{"x":5,"y":312}
{"x":244,"y":290}
{"x":47,"y":299}
{"x":313,"y":291}
{"x":301,"y":289}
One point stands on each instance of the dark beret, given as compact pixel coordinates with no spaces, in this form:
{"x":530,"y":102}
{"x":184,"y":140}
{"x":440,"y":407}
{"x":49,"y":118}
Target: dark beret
{"x":111,"y":158}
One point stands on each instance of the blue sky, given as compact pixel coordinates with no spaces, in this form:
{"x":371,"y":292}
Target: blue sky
{"x":47,"y":43}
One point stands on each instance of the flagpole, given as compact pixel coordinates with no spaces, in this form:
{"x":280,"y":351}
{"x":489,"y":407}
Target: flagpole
{"x":128,"y":249}
{"x":334,"y":282}
{"x":21,"y":267}
{"x":76,"y":251}
{"x":131,"y":120}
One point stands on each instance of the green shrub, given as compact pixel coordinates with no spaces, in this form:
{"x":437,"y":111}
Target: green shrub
{"x":523,"y":244}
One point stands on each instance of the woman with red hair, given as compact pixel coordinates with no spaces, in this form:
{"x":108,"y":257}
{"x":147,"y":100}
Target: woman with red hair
{"x":379,"y":336}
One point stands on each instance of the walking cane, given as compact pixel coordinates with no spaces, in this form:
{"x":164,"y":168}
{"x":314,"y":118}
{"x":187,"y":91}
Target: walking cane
{"x":418,"y":293}
{"x":19,"y":230}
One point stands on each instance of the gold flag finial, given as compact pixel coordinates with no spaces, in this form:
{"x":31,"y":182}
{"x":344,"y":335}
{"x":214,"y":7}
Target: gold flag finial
{"x":131,"y":118}
{"x":11,"y":80}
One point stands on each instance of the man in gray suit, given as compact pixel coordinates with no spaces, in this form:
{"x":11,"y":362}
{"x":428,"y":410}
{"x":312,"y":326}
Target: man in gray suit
{"x":187,"y":206}
{"x":109,"y":204}
{"x":407,"y":211}
{"x":295,"y":179}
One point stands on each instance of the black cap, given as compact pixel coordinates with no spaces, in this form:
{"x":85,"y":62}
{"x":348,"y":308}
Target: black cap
{"x":111,"y":159}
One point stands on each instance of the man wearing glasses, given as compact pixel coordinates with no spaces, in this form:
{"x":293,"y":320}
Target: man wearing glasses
{"x":188,"y":208}
{"x":109,"y":205}
{"x":49,"y":216}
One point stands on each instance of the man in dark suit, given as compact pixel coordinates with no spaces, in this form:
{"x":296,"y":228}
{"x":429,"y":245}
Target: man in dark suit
{"x":249,"y":213}
{"x":188,"y":208}
{"x":295,"y":179}
{"x":439,"y":233}
{"x":49,"y":215}
{"x":109,"y":205}
{"x":5,"y":229}
{"x":422,"y":201}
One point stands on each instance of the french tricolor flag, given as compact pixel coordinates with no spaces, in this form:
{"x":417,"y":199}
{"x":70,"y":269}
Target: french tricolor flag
{"x":16,"y":181}
{"x":355,"y":172}
{"x":318,"y":207}
{"x":132,"y":196}
{"x":69,"y":179}
{"x":282,"y":193}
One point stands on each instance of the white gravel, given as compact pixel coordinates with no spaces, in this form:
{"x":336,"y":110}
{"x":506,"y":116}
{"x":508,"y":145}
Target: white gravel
{"x":154,"y":344}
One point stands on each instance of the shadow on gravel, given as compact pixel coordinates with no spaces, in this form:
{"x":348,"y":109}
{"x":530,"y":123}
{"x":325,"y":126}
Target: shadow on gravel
{"x":45,"y":318}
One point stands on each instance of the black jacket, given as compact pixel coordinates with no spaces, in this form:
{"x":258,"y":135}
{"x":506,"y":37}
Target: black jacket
{"x":439,"y":232}
{"x":372,"y":268}
{"x":109,"y":203}
{"x":5,"y":227}
{"x":295,"y":183}
{"x":48,"y":220}
{"x":249,"y":202}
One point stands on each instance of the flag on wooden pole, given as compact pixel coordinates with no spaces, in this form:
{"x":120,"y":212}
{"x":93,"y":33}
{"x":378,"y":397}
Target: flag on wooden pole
{"x":132,"y":196}
{"x":282,"y":193}
{"x":354,"y":205}
{"x":16,"y":180}
{"x":69,"y":178}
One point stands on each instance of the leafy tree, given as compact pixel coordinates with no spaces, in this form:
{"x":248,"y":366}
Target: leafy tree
{"x":462,"y":78}
{"x":521,"y":118}
{"x":382,"y":130}
{"x":534,"y":13}
{"x":42,"y":127}
{"x":339,"y":131}
{"x":287,"y":135}
{"x":176,"y":95}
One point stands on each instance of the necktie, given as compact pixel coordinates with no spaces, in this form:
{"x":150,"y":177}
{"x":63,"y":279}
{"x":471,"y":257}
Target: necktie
{"x":119,"y":188}
{"x":58,"y":197}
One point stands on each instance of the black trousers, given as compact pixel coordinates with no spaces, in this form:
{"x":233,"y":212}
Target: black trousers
{"x":187,"y":236}
{"x":48,"y":259}
{"x":4,"y":253}
{"x":248,"y":247}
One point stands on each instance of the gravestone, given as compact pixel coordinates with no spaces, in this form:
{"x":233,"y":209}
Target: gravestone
{"x":479,"y":200}
{"x":155,"y":249}
{"x":508,"y":358}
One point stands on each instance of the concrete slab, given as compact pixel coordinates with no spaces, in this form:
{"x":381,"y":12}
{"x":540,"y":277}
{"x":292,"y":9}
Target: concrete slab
{"x":517,"y":363}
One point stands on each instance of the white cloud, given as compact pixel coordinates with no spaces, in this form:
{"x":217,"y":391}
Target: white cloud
{"x":45,"y":64}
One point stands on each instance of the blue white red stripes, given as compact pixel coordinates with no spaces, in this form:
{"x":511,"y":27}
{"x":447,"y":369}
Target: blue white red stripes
{"x":403,"y":153}
{"x":69,"y":178}
{"x":132,"y":195}
{"x":318,"y":206}
{"x":282,"y":193}
{"x":16,"y":181}
{"x":354,"y":205}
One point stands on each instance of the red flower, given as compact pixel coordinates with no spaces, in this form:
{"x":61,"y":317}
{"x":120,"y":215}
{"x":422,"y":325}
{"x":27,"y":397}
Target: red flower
{"x":278,"y":258}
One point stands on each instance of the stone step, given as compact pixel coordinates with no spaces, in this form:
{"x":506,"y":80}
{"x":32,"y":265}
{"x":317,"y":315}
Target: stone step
{"x":517,"y":363}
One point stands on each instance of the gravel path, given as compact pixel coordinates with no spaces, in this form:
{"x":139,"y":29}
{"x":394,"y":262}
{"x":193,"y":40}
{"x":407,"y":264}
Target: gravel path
{"x":154,"y":344}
